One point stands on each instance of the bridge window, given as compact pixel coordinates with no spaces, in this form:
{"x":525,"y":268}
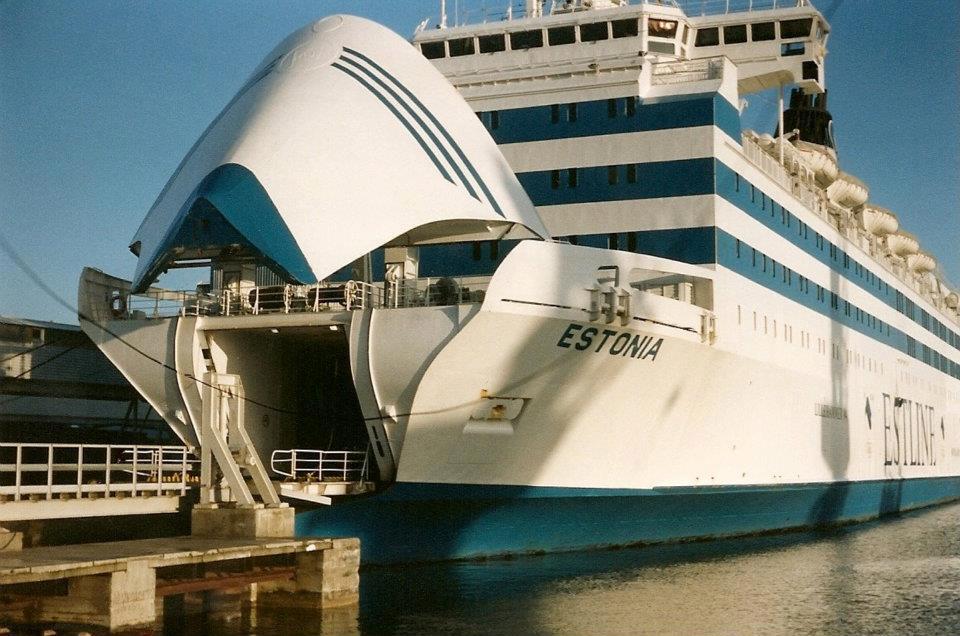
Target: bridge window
{"x":796,"y":28}
{"x":561,"y":35}
{"x":461,"y":46}
{"x":661,"y":47}
{"x":735,"y":34}
{"x":763,"y":31}
{"x":792,"y":48}
{"x":593,"y":32}
{"x":625,"y":28}
{"x":492,"y":43}
{"x":662,"y":28}
{"x":708,"y":37}
{"x":526,"y":40}
{"x":432,"y":50}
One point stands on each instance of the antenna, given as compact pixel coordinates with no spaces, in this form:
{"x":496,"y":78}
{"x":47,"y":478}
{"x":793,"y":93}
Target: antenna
{"x":443,"y":14}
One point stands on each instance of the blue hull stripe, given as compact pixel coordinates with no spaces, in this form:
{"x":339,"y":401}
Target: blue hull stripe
{"x":537,"y":123}
{"x":685,"y":177}
{"x":422,"y":522}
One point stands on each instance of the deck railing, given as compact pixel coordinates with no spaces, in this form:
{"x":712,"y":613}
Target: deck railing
{"x":287,"y":299}
{"x":49,"y":471}
{"x":320,"y":465}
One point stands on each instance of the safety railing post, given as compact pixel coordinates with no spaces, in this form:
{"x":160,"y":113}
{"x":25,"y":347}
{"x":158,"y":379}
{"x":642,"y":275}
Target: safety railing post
{"x":49,"y":471}
{"x":136,"y":455}
{"x":106,"y":478}
{"x":183,"y":471}
{"x":79,"y":471}
{"x":16,"y":478}
{"x":159,"y":455}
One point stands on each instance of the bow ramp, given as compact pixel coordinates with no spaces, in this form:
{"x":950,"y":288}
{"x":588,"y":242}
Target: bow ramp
{"x":346,"y":210}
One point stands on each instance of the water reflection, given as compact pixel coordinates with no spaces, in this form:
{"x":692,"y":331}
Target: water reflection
{"x":898,"y":576}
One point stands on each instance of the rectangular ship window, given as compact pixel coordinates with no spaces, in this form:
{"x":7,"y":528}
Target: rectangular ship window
{"x":631,"y":173}
{"x":461,"y":46}
{"x":593,"y":32}
{"x":613,"y":175}
{"x":735,"y":34}
{"x":625,"y":28}
{"x":708,"y":37}
{"x":571,"y":112}
{"x":572,"y":177}
{"x":762,"y":31}
{"x":554,"y":179}
{"x":433,"y":50}
{"x":631,"y":106}
{"x":795,"y":28}
{"x":561,"y":35}
{"x":555,"y":113}
{"x":521,"y":40}
{"x":492,"y":43}
{"x":611,"y":108}
{"x":662,"y":28}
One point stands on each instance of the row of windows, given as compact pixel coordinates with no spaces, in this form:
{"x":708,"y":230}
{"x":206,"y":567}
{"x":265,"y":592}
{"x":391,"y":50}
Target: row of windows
{"x":771,"y":211}
{"x":840,"y":308}
{"x":615,"y":174}
{"x":759,"y":32}
{"x":768,"y":325}
{"x":553,"y":36}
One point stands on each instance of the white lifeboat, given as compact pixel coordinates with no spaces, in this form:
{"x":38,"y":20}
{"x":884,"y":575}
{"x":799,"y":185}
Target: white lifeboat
{"x":878,"y":221}
{"x":848,"y":191}
{"x":903,"y":243}
{"x":821,"y":159}
{"x":921,"y":262}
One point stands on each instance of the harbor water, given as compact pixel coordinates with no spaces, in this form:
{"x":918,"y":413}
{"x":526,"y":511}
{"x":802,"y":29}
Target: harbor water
{"x":898,"y":576}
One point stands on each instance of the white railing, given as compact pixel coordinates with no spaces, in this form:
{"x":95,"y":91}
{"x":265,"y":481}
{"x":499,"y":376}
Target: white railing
{"x":723,"y":7}
{"x":56,"y":471}
{"x":287,"y":299}
{"x":687,"y":71}
{"x":320,"y":465}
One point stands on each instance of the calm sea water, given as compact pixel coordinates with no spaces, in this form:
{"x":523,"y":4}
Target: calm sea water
{"x":896,"y":576}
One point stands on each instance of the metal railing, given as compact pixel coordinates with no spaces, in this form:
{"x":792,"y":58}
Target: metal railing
{"x":687,"y":71}
{"x":723,"y":7}
{"x":49,"y":471}
{"x":320,"y":465}
{"x":287,"y":299}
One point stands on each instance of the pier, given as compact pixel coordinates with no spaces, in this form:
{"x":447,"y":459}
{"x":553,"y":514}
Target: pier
{"x":121,"y":585}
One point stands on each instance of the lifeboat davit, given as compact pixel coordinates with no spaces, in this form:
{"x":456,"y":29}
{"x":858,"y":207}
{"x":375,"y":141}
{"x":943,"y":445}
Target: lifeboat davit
{"x":903,"y":244}
{"x":878,"y":221}
{"x":821,"y":159}
{"x":921,"y":262}
{"x":848,"y":191}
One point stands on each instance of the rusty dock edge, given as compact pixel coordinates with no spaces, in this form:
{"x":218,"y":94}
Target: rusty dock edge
{"x":118,"y":585}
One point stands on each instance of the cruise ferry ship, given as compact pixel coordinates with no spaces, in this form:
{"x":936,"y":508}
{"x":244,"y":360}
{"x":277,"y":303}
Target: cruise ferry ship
{"x":529,"y":285}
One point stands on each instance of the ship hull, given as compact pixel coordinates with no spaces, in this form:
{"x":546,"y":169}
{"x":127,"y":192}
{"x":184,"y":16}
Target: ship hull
{"x":430,"y":522}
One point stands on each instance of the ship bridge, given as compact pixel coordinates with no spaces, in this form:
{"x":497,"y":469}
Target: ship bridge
{"x":586,"y":43}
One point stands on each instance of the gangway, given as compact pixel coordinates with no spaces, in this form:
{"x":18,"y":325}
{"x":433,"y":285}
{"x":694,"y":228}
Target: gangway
{"x":56,"y":481}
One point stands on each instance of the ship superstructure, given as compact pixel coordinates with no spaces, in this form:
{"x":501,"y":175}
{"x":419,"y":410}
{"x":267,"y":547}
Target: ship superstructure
{"x":640,"y":323}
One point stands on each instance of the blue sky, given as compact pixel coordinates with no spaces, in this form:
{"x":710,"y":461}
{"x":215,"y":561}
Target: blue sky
{"x":100,"y":100}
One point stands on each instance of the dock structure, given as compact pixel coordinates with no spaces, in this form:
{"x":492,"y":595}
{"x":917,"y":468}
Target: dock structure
{"x":118,"y":585}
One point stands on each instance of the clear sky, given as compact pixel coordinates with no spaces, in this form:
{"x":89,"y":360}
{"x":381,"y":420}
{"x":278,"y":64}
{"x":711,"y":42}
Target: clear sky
{"x":99,"y":101}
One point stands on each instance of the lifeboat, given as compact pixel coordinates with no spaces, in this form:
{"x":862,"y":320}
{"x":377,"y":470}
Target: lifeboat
{"x":921,"y":262}
{"x":821,"y":159}
{"x":878,"y":221}
{"x":848,"y":191}
{"x":903,"y":244}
